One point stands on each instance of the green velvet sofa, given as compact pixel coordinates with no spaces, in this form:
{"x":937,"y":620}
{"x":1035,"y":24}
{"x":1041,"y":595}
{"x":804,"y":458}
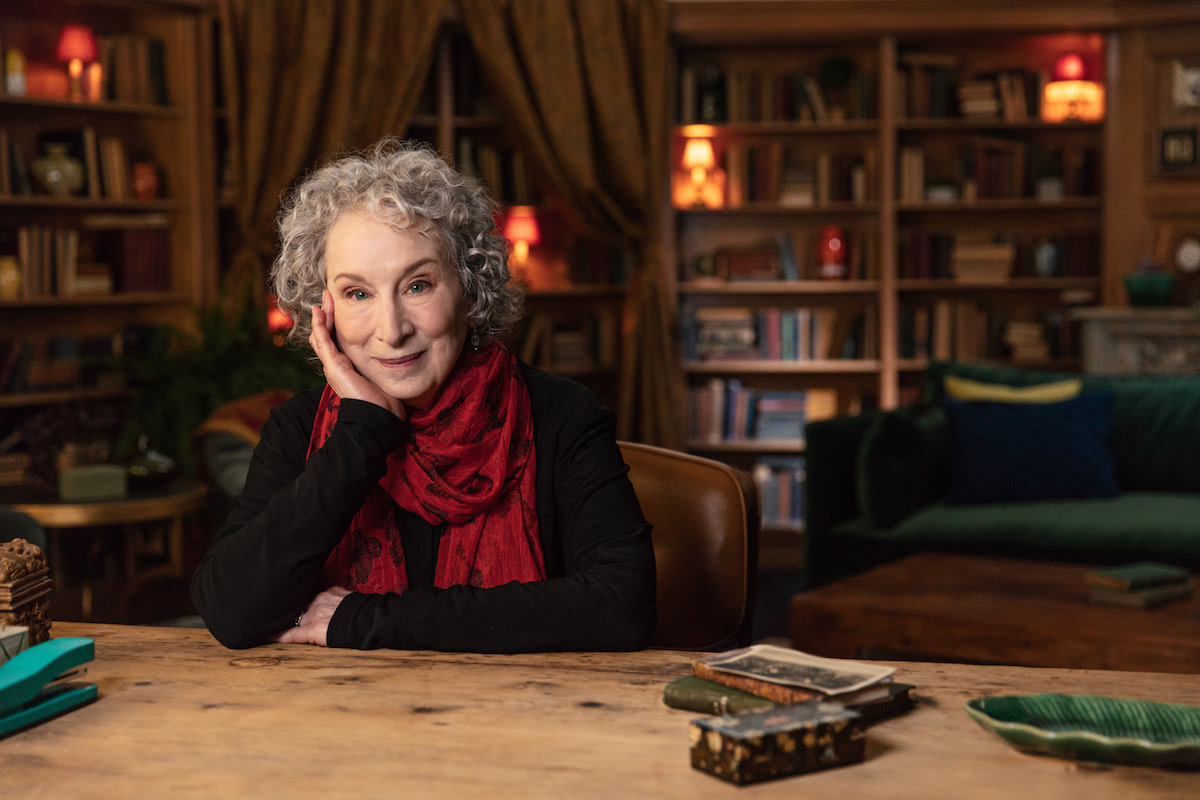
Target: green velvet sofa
{"x":885,"y":484}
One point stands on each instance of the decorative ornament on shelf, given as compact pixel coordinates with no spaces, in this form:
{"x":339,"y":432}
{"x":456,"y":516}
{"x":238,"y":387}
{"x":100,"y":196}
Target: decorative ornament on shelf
{"x":76,"y":46}
{"x":1149,"y":286}
{"x":59,"y":173}
{"x":831,"y":252}
{"x":1071,"y":96}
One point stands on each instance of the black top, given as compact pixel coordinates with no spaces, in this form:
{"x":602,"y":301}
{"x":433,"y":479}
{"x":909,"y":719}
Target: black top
{"x":264,"y":566}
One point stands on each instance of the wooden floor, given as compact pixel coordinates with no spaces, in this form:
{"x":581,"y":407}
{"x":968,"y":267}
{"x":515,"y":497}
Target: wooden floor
{"x":993,"y":611}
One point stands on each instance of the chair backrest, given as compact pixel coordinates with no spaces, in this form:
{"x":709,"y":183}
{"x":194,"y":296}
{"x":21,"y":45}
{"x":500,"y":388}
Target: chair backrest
{"x":706,"y":520}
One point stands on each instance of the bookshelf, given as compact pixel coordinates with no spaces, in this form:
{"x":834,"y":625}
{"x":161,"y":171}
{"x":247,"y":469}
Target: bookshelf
{"x":133,"y":244}
{"x":999,"y":213}
{"x":972,"y":227}
{"x":774,"y":330}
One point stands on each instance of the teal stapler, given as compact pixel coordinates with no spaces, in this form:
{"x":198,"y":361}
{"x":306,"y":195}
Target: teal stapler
{"x":39,"y":683}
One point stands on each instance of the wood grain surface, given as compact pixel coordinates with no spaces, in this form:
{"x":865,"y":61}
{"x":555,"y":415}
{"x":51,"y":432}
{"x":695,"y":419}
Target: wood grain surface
{"x":180,"y":716}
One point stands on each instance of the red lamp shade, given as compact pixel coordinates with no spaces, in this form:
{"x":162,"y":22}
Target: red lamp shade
{"x":522,"y":225}
{"x":1070,"y":67}
{"x":76,"y":42}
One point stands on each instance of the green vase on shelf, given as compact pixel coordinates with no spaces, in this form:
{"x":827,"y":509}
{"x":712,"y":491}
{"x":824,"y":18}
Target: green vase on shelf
{"x":59,"y":173}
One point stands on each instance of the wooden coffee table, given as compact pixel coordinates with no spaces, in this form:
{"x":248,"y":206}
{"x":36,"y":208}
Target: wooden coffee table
{"x":940,"y":607}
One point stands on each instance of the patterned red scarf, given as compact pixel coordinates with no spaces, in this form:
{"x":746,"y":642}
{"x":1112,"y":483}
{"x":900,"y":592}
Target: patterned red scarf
{"x":470,"y":464}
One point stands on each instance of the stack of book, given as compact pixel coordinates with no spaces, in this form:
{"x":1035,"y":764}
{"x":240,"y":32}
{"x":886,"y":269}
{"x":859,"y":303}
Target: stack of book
{"x":1026,"y":341}
{"x":781,"y":712}
{"x":981,"y":257}
{"x":1144,"y":584}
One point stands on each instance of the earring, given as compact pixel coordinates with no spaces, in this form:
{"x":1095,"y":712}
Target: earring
{"x":475,"y":340}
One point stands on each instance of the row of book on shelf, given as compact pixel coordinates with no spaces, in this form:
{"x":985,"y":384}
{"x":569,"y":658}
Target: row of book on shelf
{"x":57,"y":362}
{"x":781,"y":173}
{"x":935,"y":86}
{"x":805,"y":255}
{"x":966,"y":330}
{"x":503,"y":169}
{"x":105,"y":253}
{"x":994,"y":167}
{"x":724,"y":333}
{"x":726,"y":410}
{"x":991,"y":255}
{"x":587,"y":341}
{"x":712,"y":93}
{"x":105,"y":162}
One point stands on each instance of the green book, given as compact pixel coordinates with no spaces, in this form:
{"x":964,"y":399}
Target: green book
{"x":696,"y":694}
{"x":707,"y":697}
{"x":1139,"y":575}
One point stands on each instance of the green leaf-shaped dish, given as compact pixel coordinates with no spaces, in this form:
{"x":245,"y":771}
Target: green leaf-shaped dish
{"x":1090,"y":728}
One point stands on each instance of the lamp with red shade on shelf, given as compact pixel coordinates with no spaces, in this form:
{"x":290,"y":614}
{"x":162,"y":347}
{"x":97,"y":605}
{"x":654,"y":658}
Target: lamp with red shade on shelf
{"x":77,"y":46}
{"x":699,"y":183}
{"x":521,"y":228}
{"x":1071,"y":96}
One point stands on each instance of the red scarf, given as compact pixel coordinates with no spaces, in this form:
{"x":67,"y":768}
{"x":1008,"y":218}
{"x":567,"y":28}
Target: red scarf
{"x":470,"y":464}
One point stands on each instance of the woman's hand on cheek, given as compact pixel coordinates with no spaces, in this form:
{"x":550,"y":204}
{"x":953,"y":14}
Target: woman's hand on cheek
{"x":313,"y":626}
{"x":339,"y":370}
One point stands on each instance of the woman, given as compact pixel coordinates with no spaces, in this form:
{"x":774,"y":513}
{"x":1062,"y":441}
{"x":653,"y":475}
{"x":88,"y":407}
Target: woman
{"x":435,"y":493}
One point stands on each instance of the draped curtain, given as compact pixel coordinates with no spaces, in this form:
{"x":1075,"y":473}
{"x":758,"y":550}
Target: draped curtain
{"x":304,"y":79}
{"x":581,"y":86}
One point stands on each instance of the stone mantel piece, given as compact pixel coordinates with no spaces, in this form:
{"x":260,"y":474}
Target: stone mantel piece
{"x":1140,"y":341}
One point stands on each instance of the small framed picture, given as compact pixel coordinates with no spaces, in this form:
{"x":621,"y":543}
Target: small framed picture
{"x":1185,"y":86}
{"x":1177,"y":149}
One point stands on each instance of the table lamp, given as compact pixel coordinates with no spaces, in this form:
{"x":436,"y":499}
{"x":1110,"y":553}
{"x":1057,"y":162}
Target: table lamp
{"x":1070,"y":96}
{"x":76,"y":44}
{"x":521,"y":228}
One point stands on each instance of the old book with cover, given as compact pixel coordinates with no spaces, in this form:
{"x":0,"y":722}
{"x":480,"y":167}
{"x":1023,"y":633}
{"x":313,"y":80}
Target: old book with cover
{"x":788,"y":740}
{"x":790,"y":676}
{"x":696,"y":694}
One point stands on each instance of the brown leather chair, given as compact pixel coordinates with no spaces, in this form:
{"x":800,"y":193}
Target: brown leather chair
{"x":706,"y":520}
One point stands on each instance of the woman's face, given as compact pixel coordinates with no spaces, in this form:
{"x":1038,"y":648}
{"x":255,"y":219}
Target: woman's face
{"x":400,"y":313}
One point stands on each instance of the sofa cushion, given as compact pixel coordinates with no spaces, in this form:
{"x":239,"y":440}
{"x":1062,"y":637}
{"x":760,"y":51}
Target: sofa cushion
{"x":1158,"y":526}
{"x":902,"y":464}
{"x":961,"y":388}
{"x":1155,"y":426}
{"x":1018,"y":452}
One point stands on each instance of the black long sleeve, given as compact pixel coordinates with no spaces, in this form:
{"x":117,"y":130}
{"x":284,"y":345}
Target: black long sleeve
{"x":264,"y":566}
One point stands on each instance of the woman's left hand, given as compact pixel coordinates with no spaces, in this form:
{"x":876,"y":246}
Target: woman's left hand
{"x":314,"y":622}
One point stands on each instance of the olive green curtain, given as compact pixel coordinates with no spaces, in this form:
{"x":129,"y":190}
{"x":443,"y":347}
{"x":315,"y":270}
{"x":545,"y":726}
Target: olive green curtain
{"x":581,"y":84}
{"x":304,"y":79}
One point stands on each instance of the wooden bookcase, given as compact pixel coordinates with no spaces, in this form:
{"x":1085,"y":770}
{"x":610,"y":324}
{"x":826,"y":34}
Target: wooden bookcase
{"x":109,"y":257}
{"x":919,"y":190}
{"x":574,"y":285}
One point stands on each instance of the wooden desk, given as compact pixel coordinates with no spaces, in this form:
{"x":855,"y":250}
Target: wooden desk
{"x":939,"y":606}
{"x":171,"y":505}
{"x":180,"y":716}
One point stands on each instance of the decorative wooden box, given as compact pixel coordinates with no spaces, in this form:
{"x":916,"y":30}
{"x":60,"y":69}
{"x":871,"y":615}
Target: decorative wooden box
{"x":788,"y":740}
{"x":25,"y":589}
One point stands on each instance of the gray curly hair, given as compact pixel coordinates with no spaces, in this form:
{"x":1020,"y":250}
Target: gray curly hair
{"x":408,"y":186}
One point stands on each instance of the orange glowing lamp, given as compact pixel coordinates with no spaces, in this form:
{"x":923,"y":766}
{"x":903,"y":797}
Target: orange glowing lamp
{"x":699,"y":183}
{"x":521,"y":228}
{"x":76,"y":45}
{"x":1071,"y":96}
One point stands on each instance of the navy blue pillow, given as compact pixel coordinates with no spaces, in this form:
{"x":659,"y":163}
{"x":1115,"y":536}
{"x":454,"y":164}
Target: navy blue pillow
{"x":1014,"y":452}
